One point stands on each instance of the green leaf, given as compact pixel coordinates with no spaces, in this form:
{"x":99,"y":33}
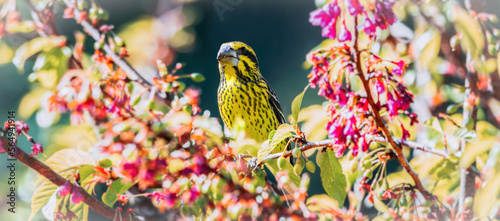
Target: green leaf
{"x":41,"y":196}
{"x":118,"y":187}
{"x":475,"y":149}
{"x":283,"y":132}
{"x":296,"y":103}
{"x":85,"y":173}
{"x":434,"y":124}
{"x":30,"y":102}
{"x":333,"y":179}
{"x":473,"y":38}
{"x":464,"y":133}
{"x":486,"y":198}
{"x":428,"y":45}
{"x":34,"y":46}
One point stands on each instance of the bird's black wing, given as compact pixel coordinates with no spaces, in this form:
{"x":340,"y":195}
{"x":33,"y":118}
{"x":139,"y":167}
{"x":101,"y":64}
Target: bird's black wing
{"x":275,"y":104}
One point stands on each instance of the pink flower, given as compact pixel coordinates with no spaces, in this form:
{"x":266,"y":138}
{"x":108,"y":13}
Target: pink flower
{"x":21,"y":126}
{"x":345,"y":34}
{"x":406,"y":134}
{"x":354,"y":7}
{"x":35,"y":149}
{"x":400,"y":68}
{"x":326,"y":17}
{"x":64,"y":189}
{"x":76,"y":196}
{"x":369,"y":26}
{"x":413,"y":118}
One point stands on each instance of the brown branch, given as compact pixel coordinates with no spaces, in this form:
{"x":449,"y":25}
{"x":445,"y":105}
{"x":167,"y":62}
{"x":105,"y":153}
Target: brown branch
{"x":330,"y":142}
{"x":380,"y":123}
{"x":42,"y":169}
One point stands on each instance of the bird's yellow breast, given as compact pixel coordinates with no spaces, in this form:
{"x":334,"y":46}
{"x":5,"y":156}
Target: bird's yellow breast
{"x":250,"y":102}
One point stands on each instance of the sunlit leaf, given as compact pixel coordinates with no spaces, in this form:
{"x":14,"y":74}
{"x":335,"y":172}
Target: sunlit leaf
{"x":464,"y":133}
{"x":474,"y":149}
{"x":66,"y":158}
{"x":321,"y":202}
{"x":314,"y":119}
{"x":60,"y":162}
{"x":473,"y":38}
{"x":296,"y":103}
{"x":34,"y":46}
{"x":434,"y":124}
{"x":117,"y":188}
{"x":283,"y":132}
{"x":486,"y":197}
{"x":30,"y":102}
{"x":332,"y":177}
{"x":428,"y":44}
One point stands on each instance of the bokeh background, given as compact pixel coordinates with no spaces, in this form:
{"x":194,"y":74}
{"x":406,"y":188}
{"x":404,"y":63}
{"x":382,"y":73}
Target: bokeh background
{"x":186,"y":31}
{"x":189,"y":32}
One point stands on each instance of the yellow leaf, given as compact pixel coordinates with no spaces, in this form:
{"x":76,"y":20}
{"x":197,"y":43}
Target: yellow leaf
{"x":321,"y":202}
{"x":30,"y":102}
{"x":60,"y":162}
{"x":283,"y":132}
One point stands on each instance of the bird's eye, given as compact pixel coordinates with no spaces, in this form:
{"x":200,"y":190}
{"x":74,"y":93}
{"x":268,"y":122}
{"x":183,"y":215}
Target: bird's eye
{"x":243,"y":50}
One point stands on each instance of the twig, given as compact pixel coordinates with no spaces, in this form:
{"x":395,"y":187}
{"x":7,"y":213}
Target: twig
{"x":42,"y":169}
{"x":330,"y":142}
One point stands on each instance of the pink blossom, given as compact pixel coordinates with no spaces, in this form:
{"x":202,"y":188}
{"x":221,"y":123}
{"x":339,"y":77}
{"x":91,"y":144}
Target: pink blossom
{"x":76,"y":196}
{"x":354,"y":7}
{"x":345,"y":34}
{"x":64,"y":189}
{"x":36,"y":148}
{"x":406,"y":134}
{"x":326,"y":17}
{"x":21,"y":126}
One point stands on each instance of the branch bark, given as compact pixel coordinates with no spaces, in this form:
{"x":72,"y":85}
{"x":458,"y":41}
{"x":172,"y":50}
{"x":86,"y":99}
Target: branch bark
{"x":380,"y":123}
{"x":42,"y":169}
{"x":329,"y":143}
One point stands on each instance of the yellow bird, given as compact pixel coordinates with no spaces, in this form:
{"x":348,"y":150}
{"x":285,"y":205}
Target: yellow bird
{"x":244,"y":93}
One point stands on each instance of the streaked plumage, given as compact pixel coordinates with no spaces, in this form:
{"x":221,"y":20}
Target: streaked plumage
{"x":243,"y":92}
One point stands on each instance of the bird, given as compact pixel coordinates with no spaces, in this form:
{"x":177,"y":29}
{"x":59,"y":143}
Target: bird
{"x":244,"y":93}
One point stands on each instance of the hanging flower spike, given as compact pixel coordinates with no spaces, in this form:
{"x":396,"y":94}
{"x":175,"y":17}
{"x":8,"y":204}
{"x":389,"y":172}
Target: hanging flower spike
{"x":36,"y":148}
{"x":70,"y":215}
{"x":405,"y":133}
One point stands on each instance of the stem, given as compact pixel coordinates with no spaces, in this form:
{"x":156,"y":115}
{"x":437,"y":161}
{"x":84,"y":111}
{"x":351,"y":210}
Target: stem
{"x":330,"y":143}
{"x":42,"y":169}
{"x":467,"y":178}
{"x":380,"y":123}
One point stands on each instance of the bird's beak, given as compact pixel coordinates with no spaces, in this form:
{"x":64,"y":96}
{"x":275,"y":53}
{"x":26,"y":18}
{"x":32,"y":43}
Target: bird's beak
{"x":227,"y":55}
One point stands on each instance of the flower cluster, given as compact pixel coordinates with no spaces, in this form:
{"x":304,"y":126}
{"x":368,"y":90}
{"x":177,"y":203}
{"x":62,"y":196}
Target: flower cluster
{"x":157,"y":136}
{"x":352,"y":125}
{"x":377,"y":14}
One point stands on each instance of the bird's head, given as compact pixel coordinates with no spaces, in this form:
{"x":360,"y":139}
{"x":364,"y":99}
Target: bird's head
{"x":238,"y":56}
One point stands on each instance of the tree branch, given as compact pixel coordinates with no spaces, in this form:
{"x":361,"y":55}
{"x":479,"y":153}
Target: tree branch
{"x":329,"y":143}
{"x":380,"y":123}
{"x":42,"y":169}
